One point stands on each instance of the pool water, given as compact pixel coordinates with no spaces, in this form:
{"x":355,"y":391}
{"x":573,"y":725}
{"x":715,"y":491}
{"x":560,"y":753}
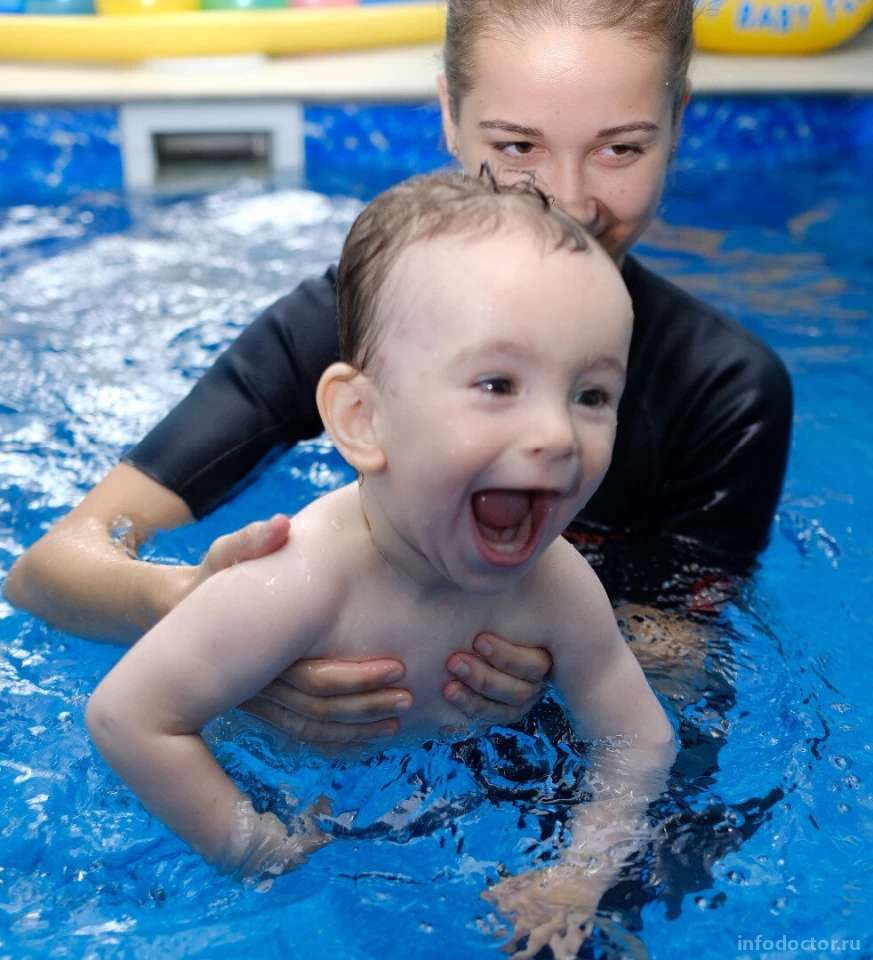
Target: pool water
{"x":110,"y":309}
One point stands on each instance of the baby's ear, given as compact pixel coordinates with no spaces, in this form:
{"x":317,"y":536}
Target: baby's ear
{"x":346,"y":401}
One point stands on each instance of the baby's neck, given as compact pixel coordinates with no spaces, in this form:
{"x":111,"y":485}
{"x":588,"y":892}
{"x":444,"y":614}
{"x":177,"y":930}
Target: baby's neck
{"x":402,"y":558}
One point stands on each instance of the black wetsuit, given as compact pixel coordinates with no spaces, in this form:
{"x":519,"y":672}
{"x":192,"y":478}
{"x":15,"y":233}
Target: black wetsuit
{"x":703,"y":432}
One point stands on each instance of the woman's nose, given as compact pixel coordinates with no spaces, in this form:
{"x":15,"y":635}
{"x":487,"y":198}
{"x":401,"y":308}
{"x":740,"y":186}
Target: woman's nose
{"x":573,"y":195}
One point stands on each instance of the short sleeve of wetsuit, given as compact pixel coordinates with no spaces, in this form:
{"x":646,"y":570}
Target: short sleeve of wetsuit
{"x":259,"y":394}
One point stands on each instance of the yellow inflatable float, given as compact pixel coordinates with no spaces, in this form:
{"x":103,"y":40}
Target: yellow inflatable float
{"x":128,"y":39}
{"x":722,"y":26}
{"x":778,"y":26}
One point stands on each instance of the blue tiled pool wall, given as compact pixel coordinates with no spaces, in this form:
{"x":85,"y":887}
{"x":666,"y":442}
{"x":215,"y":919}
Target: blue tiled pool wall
{"x":50,"y":154}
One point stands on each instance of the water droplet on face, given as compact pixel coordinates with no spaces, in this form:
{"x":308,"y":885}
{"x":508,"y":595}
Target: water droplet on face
{"x":425,"y":927}
{"x":843,"y":807}
{"x":841,"y":763}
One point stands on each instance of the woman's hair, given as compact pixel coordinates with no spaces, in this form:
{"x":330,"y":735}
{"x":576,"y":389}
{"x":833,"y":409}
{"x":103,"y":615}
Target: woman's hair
{"x":422,"y":209}
{"x":666,"y":23}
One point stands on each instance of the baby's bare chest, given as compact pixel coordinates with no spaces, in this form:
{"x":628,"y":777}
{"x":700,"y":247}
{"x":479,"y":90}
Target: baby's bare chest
{"x":424,"y":638}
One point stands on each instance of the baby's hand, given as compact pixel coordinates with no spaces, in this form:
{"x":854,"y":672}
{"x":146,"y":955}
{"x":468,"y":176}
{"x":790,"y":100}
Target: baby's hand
{"x":265,"y":846}
{"x":551,"y":906}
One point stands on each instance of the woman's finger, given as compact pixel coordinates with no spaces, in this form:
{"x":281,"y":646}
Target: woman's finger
{"x":346,"y":708}
{"x":491,"y":683}
{"x":476,"y":706}
{"x":319,"y":731}
{"x":333,"y":678}
{"x":525,"y":663}
{"x":258,"y":539}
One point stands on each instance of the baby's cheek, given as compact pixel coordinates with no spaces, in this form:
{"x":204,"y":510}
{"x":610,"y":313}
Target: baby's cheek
{"x":599,"y":454}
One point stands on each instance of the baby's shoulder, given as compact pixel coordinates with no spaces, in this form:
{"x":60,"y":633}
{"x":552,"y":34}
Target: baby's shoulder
{"x":310,"y":574}
{"x":564,"y":574}
{"x":563,"y":592}
{"x":330,"y":537}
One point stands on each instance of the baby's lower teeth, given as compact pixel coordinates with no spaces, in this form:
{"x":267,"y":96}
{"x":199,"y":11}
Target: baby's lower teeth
{"x":507,"y":539}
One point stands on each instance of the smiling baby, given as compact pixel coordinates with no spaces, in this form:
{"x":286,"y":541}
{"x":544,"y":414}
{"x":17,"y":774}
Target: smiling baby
{"x":484,"y":338}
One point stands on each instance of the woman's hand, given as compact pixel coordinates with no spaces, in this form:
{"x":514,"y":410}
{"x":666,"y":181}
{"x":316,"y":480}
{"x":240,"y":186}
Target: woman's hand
{"x":552,"y":906}
{"x":258,"y":539}
{"x":335,"y":701}
{"x":498,"y":682}
{"x":350,"y":702}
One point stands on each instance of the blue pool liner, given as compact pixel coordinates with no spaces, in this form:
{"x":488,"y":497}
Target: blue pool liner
{"x":51,"y":154}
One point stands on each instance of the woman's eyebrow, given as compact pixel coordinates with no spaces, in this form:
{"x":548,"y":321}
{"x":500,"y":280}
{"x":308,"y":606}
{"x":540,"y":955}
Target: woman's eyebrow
{"x":508,"y":127}
{"x":505,"y":126}
{"x":639,"y":126}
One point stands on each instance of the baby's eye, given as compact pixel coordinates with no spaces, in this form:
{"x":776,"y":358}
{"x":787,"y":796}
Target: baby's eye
{"x":501,"y":386}
{"x":592,"y":397}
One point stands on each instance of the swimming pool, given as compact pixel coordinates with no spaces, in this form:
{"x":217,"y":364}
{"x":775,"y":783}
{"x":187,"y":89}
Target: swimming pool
{"x":111,"y":307}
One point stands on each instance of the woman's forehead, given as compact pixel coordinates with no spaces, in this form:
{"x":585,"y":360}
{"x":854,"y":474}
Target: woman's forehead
{"x":568,"y":75}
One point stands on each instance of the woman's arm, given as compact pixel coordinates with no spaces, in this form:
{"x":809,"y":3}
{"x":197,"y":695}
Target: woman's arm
{"x":83,"y":577}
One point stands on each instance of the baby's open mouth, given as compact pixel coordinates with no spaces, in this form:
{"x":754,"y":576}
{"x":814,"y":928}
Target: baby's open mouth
{"x":509,"y":524}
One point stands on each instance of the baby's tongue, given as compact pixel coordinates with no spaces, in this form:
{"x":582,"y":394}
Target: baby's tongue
{"x":501,"y":509}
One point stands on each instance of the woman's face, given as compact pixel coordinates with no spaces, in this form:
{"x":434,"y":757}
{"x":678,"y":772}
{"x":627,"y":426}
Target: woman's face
{"x":588,"y":113}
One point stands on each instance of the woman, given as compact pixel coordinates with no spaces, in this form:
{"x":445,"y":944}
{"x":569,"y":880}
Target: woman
{"x":586,"y":96}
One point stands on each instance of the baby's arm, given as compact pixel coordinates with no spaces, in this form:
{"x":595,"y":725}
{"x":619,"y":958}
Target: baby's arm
{"x":221,"y":645}
{"x":633,"y":746}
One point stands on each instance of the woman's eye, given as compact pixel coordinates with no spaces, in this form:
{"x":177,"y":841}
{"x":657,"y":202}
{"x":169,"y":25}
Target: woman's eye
{"x":622,"y":150}
{"x":516,"y":148}
{"x":502,"y":386}
{"x":592,"y":397}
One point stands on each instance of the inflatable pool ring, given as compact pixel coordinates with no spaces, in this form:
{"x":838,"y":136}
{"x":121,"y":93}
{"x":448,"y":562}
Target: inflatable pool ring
{"x":778,"y":26}
{"x":130,"y":39}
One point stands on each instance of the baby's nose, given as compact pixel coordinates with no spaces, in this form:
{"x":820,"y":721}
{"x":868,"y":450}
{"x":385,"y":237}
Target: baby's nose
{"x":552,"y":436}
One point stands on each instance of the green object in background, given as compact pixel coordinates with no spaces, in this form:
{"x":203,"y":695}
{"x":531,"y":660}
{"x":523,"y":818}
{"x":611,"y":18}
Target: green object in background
{"x":244,"y":4}
{"x":46,"y":7}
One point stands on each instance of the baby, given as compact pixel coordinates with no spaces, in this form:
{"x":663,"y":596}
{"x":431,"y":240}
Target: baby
{"x":484,"y":339}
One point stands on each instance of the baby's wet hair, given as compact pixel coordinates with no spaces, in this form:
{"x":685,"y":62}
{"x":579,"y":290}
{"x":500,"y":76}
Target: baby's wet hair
{"x":425,"y":208}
